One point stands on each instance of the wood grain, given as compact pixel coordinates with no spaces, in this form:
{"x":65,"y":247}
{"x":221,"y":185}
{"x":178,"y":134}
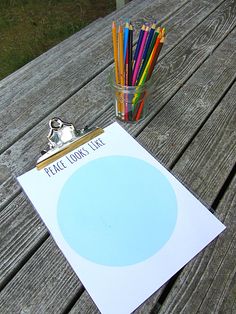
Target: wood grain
{"x":207,"y":283}
{"x":194,"y":120}
{"x":212,"y":151}
{"x":97,"y":97}
{"x":44,"y":90}
{"x":170,"y":132}
{"x":35,"y":288}
{"x":86,"y":305}
{"x":21,"y":231}
{"x":215,"y":79}
{"x":15,"y":260}
{"x":209,"y":85}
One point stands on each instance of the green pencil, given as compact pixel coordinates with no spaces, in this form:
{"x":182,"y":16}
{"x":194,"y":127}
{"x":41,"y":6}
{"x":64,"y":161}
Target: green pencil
{"x":149,"y":52}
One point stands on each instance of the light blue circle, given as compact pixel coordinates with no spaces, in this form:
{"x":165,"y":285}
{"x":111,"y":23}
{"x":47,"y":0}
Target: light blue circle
{"x":117,"y":210}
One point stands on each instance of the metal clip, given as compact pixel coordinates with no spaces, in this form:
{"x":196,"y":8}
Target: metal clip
{"x":63,"y":138}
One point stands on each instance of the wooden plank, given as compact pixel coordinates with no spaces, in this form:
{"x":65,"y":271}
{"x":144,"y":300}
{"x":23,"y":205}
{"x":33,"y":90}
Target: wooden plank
{"x":120,"y":3}
{"x":222,"y":287}
{"x":5,"y":171}
{"x":212,"y":150}
{"x":207,"y":283}
{"x":86,"y":305}
{"x":40,"y":293}
{"x":97,"y":95}
{"x":166,"y":136}
{"x":218,"y":160}
{"x":221,"y":68}
{"x":10,"y":186}
{"x":191,"y":106}
{"x":43,"y":91}
{"x":21,"y":230}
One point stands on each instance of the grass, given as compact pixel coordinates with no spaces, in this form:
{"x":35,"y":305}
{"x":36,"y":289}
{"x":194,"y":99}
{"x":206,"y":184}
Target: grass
{"x":30,"y":27}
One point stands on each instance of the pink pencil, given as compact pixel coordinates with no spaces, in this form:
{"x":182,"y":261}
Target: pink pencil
{"x":139,"y":59}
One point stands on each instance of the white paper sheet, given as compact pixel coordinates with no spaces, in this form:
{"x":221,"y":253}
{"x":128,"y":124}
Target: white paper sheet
{"x":124,"y":223}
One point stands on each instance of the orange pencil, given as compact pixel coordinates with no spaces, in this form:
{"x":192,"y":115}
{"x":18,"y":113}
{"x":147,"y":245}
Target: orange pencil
{"x":121,"y":65}
{"x":121,"y":55}
{"x":149,"y":69}
{"x":115,"y":51}
{"x":156,"y":52}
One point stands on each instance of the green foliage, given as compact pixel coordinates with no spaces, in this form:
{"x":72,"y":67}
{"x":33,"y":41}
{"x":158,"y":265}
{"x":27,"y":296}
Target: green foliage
{"x":28,"y":27}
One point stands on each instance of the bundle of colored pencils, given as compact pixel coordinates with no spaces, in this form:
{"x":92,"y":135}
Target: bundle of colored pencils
{"x":135,"y":69}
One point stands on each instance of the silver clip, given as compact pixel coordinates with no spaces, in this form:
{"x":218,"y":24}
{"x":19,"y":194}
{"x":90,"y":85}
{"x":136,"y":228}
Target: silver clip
{"x":63,"y":138}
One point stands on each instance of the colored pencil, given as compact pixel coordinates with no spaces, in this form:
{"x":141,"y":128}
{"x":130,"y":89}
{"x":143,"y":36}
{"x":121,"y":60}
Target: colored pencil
{"x":126,"y":67}
{"x":145,"y":76}
{"x":138,"y":44}
{"x":152,"y":30}
{"x":121,"y":55}
{"x":130,"y":48}
{"x":126,"y":35}
{"x":126,"y":109}
{"x":158,"y":46}
{"x":121,"y":67}
{"x":137,"y":64}
{"x":134,"y":70}
{"x":115,"y":51}
{"x":130,"y":53}
{"x":147,"y":51}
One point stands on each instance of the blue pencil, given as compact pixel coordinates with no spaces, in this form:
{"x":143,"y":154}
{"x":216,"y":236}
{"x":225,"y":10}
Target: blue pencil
{"x":138,"y":45}
{"x":126,"y":37}
{"x":152,"y":30}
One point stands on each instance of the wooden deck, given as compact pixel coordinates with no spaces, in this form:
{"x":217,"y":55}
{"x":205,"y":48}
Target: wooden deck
{"x":191,"y":129}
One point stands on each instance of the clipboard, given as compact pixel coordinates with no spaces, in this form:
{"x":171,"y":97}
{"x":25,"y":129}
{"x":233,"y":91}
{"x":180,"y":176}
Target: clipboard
{"x":125,"y":224}
{"x":63,"y":138}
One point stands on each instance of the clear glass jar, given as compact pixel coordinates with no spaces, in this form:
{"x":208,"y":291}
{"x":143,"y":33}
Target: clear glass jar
{"x":131,"y":102}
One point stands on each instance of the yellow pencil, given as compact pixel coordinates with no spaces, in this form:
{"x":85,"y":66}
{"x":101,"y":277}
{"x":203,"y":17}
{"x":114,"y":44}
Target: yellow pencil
{"x":145,"y":72}
{"x":121,"y":55}
{"x":147,"y":67}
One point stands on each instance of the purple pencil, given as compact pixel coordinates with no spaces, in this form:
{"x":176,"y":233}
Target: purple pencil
{"x":139,"y":59}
